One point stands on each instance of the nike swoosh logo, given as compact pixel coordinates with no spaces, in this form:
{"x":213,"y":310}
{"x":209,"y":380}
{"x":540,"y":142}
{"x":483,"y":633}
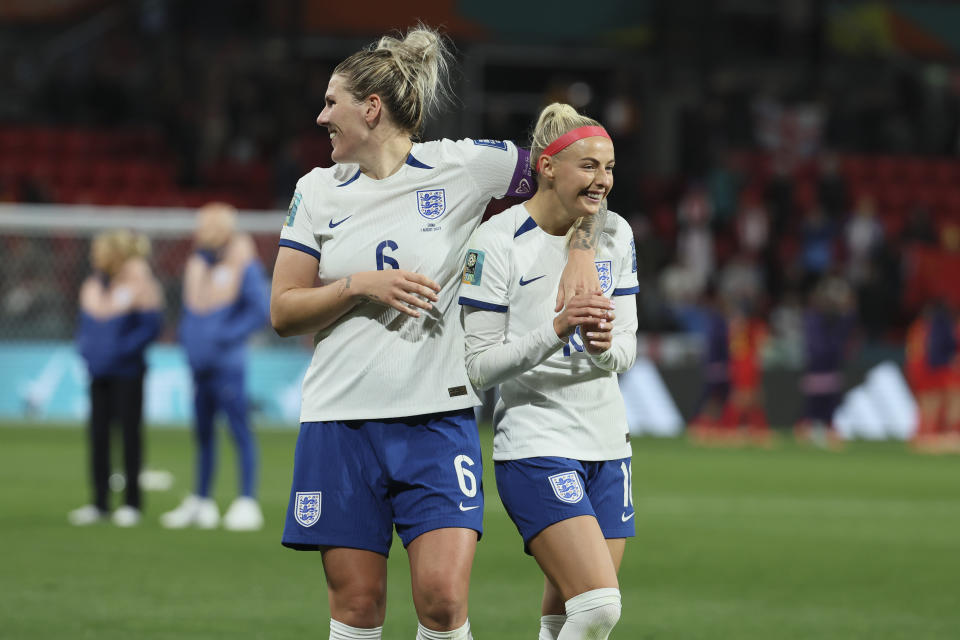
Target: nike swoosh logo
{"x":463,"y":508}
{"x":524,"y":283}
{"x":337,"y":224}
{"x":624,"y":517}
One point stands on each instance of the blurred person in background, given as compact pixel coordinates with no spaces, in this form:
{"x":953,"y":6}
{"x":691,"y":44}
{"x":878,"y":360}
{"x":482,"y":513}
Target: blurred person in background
{"x":831,"y":185}
{"x":864,"y":236}
{"x":388,"y":436}
{"x":818,"y":237}
{"x":561,"y":447}
{"x":714,"y":330}
{"x":827,"y":328}
{"x":744,"y":418}
{"x":935,"y":378}
{"x":120,"y":315}
{"x":226,"y":299}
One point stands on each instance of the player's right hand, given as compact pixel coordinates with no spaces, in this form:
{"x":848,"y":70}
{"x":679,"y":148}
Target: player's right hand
{"x":405,"y":291}
{"x":587,"y":309}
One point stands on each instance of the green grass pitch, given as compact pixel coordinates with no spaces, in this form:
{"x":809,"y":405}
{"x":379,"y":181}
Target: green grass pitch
{"x":780,"y":544}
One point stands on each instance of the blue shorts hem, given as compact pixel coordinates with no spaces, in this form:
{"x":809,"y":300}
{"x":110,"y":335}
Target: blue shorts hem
{"x":302,"y":544}
{"x":411,"y":534}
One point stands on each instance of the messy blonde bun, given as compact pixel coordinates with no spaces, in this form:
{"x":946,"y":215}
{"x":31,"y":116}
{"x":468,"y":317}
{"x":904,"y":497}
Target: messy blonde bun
{"x":411,"y":75}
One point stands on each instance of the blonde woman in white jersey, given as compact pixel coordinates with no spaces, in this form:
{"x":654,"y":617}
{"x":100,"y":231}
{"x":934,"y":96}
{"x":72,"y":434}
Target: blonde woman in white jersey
{"x":387,"y":436}
{"x":561,"y":447}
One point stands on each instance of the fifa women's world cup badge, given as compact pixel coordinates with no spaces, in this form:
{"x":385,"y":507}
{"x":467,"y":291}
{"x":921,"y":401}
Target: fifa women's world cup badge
{"x":473,"y":269}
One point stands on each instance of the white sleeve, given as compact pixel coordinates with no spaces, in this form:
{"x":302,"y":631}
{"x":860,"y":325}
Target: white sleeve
{"x":627,"y":283}
{"x":623,"y":347}
{"x":496,"y":166}
{"x":297,"y":231}
{"x":490,"y":360}
{"x":486,"y":274}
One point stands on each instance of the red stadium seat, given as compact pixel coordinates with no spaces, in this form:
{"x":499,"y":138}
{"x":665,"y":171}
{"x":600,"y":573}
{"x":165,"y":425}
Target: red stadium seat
{"x":886,"y":169}
{"x":856,"y":168}
{"x":13,"y":141}
{"x":914,"y":170}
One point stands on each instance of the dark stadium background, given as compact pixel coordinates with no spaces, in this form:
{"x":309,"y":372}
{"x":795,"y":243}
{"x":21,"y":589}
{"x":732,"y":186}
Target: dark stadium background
{"x":806,"y":110}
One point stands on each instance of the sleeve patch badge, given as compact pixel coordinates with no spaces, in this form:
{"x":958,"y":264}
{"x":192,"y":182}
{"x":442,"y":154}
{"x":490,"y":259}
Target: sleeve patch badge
{"x":495,"y":144}
{"x":473,"y":269}
{"x":633,"y":254}
{"x":292,"y":209}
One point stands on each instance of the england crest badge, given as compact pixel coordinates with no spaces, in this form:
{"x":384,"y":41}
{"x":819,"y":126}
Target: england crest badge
{"x":431,"y":203}
{"x":307,"y":507}
{"x":605,"y":271}
{"x":567,"y":487}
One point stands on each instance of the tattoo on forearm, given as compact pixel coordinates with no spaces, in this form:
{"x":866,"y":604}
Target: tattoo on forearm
{"x":587,"y":233}
{"x":344,"y":286}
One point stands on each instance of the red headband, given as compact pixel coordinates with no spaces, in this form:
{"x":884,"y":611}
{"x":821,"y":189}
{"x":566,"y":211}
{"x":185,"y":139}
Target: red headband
{"x":569,"y":138}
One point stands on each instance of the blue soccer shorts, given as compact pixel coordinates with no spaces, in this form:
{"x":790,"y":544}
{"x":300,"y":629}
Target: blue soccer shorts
{"x":354,"y":481}
{"x":539,"y":492}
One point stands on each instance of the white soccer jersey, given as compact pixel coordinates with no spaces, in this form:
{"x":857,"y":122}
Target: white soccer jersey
{"x":567,"y":405}
{"x":376,"y":362}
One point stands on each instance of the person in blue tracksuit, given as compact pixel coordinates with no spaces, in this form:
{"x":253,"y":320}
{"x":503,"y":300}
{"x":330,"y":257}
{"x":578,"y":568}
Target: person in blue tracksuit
{"x":120,"y":315}
{"x":226,"y":298}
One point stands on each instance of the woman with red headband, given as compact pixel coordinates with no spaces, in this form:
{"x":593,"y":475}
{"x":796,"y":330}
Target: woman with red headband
{"x":562,"y":448}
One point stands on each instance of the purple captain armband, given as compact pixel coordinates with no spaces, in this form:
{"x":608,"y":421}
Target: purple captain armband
{"x":522,"y":185}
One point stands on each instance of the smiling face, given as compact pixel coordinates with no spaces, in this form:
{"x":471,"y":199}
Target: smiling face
{"x":344,"y":118}
{"x":582,"y":175}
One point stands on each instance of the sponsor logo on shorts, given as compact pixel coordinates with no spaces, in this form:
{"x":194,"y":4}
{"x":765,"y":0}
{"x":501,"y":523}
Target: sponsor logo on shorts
{"x":463,"y":508}
{"x":626,"y":518}
{"x":307,"y":508}
{"x":567,"y":487}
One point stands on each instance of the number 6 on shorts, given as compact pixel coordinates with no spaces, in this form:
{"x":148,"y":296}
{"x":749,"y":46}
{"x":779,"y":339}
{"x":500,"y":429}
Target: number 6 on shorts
{"x":465,"y":477}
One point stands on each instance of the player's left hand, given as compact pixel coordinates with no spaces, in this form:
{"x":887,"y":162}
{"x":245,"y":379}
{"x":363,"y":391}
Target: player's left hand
{"x":579,"y":276}
{"x":597,"y":340}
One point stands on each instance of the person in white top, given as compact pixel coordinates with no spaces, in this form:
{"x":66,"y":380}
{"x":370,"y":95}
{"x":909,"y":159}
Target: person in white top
{"x":561,"y":448}
{"x":388,"y":436}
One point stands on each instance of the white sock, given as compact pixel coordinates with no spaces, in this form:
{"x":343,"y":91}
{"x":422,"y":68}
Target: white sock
{"x":550,"y":627}
{"x":463,"y":633}
{"x":340,"y":631}
{"x":591,"y":615}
